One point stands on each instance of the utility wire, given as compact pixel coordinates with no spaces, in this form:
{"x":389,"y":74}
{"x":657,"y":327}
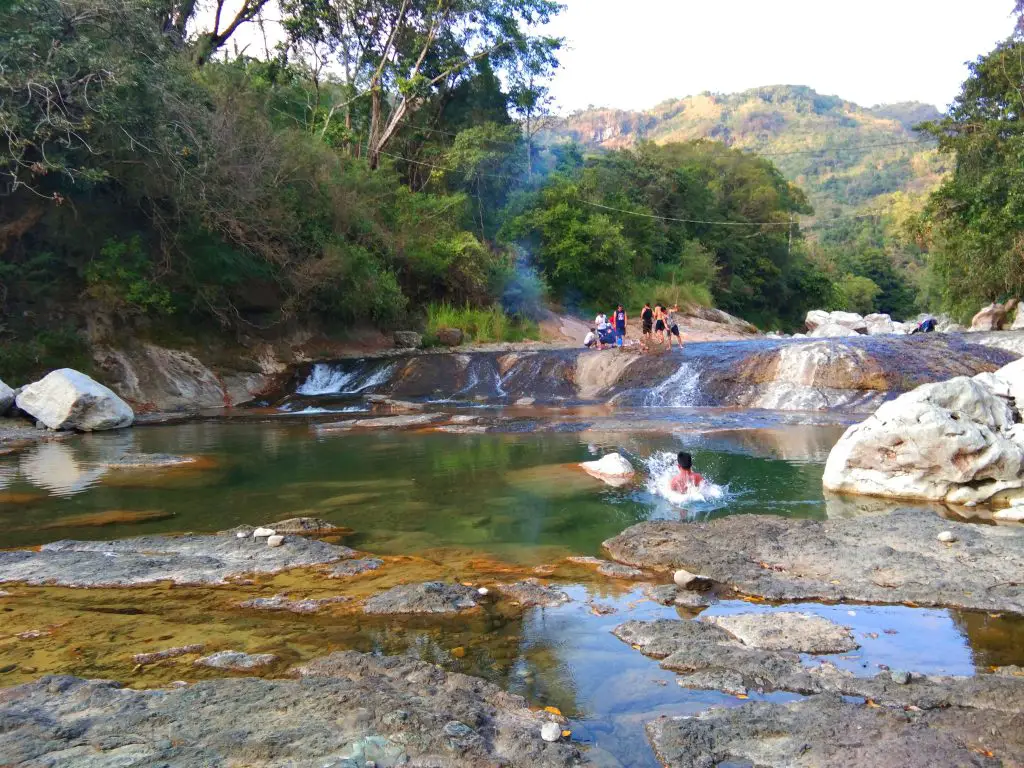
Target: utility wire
{"x":638,"y":213}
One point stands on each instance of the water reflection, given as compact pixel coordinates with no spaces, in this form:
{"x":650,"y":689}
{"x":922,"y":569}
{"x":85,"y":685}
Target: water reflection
{"x":55,"y":467}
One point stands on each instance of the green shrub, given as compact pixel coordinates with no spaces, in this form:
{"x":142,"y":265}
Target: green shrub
{"x":482,"y":325}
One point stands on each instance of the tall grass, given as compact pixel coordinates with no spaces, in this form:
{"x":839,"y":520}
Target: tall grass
{"x":480,"y":324}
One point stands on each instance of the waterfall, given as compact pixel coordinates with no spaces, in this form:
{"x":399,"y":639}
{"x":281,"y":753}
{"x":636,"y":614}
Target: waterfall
{"x":677,"y":391}
{"x":332,"y":379}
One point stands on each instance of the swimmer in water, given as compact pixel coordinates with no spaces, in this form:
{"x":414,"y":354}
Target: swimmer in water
{"x":686,"y":478}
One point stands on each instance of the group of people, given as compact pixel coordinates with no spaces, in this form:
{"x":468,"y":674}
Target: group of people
{"x":658,"y":323}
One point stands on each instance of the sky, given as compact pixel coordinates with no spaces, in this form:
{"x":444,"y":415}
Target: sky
{"x":633,"y":54}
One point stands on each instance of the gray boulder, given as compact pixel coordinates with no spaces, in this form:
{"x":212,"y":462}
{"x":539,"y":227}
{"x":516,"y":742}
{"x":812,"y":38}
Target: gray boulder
{"x":429,"y":597}
{"x":450,"y":337}
{"x":408,"y":339}
{"x":68,"y":399}
{"x":828,"y":330}
{"x":7,"y":396}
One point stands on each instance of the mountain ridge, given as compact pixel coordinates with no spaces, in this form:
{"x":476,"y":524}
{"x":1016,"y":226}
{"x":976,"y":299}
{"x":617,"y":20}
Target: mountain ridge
{"x":848,"y":158}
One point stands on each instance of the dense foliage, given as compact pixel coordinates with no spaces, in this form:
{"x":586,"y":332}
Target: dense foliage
{"x":975,"y":221}
{"x":672,"y":223}
{"x":378,"y":168}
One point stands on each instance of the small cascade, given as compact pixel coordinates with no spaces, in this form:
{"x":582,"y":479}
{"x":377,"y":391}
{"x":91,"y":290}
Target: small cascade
{"x":679,"y":390}
{"x":337,"y":379}
{"x":482,"y":380}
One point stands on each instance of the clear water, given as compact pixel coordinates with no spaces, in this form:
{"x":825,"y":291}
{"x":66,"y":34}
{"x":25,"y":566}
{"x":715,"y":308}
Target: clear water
{"x":444,"y":503}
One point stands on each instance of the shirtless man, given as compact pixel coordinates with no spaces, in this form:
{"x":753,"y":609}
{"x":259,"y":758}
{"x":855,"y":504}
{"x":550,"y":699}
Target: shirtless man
{"x":686,"y":478}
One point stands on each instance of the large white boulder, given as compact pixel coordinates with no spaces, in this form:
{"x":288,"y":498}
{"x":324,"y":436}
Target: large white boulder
{"x":952,"y":441}
{"x":815,"y":318}
{"x":879,"y":324}
{"x":612,"y":468}
{"x":1018,"y":320}
{"x":68,"y":399}
{"x":851,"y":320}
{"x":832,"y":329}
{"x":1007,"y":382}
{"x":6,"y":398}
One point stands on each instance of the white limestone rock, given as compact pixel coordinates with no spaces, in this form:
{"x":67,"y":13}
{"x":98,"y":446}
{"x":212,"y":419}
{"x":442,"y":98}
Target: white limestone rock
{"x":612,"y":468}
{"x":951,"y":441}
{"x":68,"y":399}
{"x":831,"y":330}
{"x":879,"y":324}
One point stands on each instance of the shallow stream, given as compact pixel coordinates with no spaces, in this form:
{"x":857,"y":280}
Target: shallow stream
{"x":471,"y":507}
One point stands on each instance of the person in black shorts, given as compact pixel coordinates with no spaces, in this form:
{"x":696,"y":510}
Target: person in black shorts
{"x":672,"y":327}
{"x":619,"y":318}
{"x":659,"y":319}
{"x":647,"y":319}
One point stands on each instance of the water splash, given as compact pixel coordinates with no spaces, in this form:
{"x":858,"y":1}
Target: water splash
{"x":677,"y":391}
{"x":330,"y":379}
{"x":661,"y":468}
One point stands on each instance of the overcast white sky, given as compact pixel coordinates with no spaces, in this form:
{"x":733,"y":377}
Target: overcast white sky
{"x":635,"y":53}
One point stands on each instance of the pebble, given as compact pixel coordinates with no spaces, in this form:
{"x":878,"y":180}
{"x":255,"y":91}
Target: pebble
{"x":900,"y":676}
{"x":457,"y":730}
{"x":262,"y":533}
{"x":482,"y":591}
{"x":240,"y":535}
{"x":946,"y":537}
{"x":275,"y":540}
{"x":551,"y":732}
{"x":687,"y":580}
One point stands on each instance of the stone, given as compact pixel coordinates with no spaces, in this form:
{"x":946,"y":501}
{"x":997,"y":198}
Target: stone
{"x":826,"y":731}
{"x":169,"y":653}
{"x":428,"y":597}
{"x":355,"y":567}
{"x":385,"y":404}
{"x":408,"y":339}
{"x":236,"y":661}
{"x":890,"y":558}
{"x":670,"y":594}
{"x":1007,"y":382}
{"x":879,"y":324}
{"x":815,"y":318}
{"x":899,"y":676}
{"x":786,"y":631}
{"x":275,"y":541}
{"x":949,"y":441}
{"x":551,"y":732}
{"x":530,"y":592}
{"x":7,"y":397}
{"x":450,"y":337}
{"x":993,"y":317}
{"x":304,"y":526}
{"x":612,"y":468}
{"x":830,"y":330}
{"x":683,"y":578}
{"x":1012,"y":514}
{"x":947,"y":537}
{"x":1018,"y":319}
{"x":262,"y":533}
{"x":383,"y":422}
{"x":67,"y":399}
{"x":284,"y":603}
{"x":149,"y":559}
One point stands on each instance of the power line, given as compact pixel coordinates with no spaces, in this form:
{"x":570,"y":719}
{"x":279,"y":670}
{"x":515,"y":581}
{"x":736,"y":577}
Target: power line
{"x":817,"y":225}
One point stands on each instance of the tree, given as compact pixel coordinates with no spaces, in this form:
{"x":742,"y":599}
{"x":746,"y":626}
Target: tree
{"x":402,"y":54}
{"x":977,"y":215}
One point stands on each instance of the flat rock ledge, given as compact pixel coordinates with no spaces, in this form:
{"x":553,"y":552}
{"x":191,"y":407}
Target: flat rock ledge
{"x":531,"y":592}
{"x":825,"y":731}
{"x":709,"y":658}
{"x":428,"y":597}
{"x":893,"y":558}
{"x":285,"y":603}
{"x":209,"y":559}
{"x":347,"y":709}
{"x":786,"y":631}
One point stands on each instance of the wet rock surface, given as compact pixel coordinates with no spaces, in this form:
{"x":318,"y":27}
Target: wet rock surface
{"x":284,"y":603}
{"x":68,"y":399}
{"x":530,"y":592}
{"x":383,"y":422}
{"x":786,"y":631}
{"x":346,"y":707}
{"x":895,"y":558}
{"x":825,"y":731}
{"x":355,"y":567}
{"x":148,"y":559}
{"x":428,"y":597}
{"x":236,"y":661}
{"x":711,"y":658}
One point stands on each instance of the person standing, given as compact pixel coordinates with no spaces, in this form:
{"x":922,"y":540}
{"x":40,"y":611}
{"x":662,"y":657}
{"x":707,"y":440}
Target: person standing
{"x":620,"y":325}
{"x":672,"y":328}
{"x":647,"y":319}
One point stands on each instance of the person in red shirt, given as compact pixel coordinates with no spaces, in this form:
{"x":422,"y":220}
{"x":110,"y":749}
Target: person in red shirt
{"x":686,"y":478}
